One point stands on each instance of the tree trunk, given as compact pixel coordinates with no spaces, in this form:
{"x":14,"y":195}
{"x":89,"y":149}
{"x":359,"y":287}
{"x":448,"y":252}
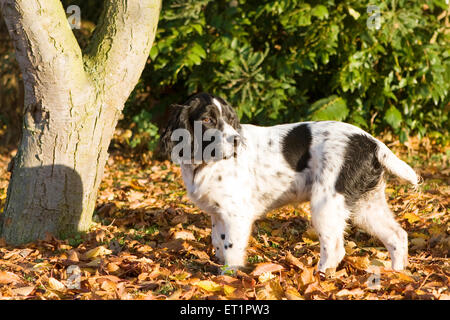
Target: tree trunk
{"x":72,"y":105}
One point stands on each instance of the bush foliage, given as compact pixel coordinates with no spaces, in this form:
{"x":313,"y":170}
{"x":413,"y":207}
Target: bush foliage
{"x":377,"y":64}
{"x":286,"y":60}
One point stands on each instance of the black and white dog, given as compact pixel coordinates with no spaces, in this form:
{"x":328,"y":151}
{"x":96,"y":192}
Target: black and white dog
{"x":336,"y":166}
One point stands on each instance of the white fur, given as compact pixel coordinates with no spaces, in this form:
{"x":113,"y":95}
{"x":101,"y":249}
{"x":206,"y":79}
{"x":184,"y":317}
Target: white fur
{"x":238,"y":190}
{"x":217,"y":103}
{"x":395,"y":165}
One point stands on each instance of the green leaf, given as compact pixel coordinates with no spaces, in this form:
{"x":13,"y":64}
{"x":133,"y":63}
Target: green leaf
{"x":198,"y":50}
{"x":320,"y":11}
{"x":393,"y":117}
{"x":154,"y":52}
{"x":331,"y":108}
{"x":403,"y":136}
{"x":355,"y":14}
{"x":195,"y":58}
{"x":358,"y":120}
{"x":198,"y":28}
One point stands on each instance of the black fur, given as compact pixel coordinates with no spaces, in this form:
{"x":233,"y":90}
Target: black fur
{"x":197,"y":108}
{"x":361,"y":171}
{"x":178,"y":119}
{"x":202,"y":105}
{"x":295,"y":147}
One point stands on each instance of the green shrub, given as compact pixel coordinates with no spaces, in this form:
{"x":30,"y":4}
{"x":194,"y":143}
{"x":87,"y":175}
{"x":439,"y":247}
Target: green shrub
{"x":285,"y":61}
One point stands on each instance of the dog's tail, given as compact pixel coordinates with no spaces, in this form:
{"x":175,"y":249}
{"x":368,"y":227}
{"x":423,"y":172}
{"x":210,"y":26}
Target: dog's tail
{"x":396,"y":166}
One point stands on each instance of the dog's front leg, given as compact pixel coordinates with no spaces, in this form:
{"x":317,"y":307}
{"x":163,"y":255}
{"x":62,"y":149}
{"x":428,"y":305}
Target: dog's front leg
{"x":230,"y":235}
{"x":218,"y":228}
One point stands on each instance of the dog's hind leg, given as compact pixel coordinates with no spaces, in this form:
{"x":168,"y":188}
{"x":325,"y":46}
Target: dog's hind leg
{"x":375,"y":217}
{"x":329,"y":217}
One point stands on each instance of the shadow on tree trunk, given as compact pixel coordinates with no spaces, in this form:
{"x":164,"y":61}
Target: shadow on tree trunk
{"x":56,"y":203}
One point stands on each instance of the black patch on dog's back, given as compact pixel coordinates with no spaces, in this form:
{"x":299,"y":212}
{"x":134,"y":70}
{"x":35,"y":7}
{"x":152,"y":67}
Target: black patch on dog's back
{"x":361,"y":170}
{"x":295,"y":147}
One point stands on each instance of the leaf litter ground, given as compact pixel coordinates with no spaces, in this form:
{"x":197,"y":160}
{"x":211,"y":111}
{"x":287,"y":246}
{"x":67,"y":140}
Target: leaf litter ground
{"x":150,"y":242}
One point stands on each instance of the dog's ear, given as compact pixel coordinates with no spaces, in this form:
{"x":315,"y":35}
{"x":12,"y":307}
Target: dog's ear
{"x":230,"y":115}
{"x":178,"y":120}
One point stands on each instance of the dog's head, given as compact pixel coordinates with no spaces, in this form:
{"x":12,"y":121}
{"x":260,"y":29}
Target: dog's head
{"x":205,"y":128}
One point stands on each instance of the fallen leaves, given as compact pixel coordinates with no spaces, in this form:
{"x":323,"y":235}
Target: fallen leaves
{"x":354,"y":292}
{"x":56,"y":285}
{"x":23,"y":291}
{"x":294,"y":261}
{"x":307,"y":276}
{"x":8,"y":277}
{"x":150,"y":242}
{"x":293,"y":294}
{"x":266,"y":268}
{"x":359,"y":262}
{"x":411,"y":217}
{"x":95,"y":252}
{"x":209,"y":285}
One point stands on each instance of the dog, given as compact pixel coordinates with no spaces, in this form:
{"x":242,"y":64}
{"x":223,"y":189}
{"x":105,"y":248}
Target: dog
{"x":336,"y":166}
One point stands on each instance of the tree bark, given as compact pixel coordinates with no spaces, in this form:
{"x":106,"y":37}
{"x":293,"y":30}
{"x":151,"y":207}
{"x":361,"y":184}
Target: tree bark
{"x":72,"y":105}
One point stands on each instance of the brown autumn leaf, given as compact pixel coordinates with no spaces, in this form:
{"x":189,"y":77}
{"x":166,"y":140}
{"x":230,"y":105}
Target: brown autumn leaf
{"x":311,"y":234}
{"x":313,"y":288}
{"x":307,"y":276}
{"x":23,"y":291}
{"x":137,"y":185}
{"x":359,"y":262}
{"x":444,"y":296}
{"x":135,"y":197}
{"x":10,"y":254}
{"x":225,"y":279}
{"x":340,"y":274}
{"x":237,"y":294}
{"x":100,"y":235}
{"x":351,"y":247}
{"x":200,"y":254}
{"x":418,"y":243}
{"x":56,"y":285}
{"x":73,"y":256}
{"x":96,"y":252}
{"x":175,"y":245}
{"x":209,"y":285}
{"x":175,"y":295}
{"x":380,"y":263}
{"x":354,"y":292}
{"x":228,"y":290}
{"x":8,"y":277}
{"x":266,"y":267}
{"x":184,"y":235}
{"x":182,"y":218}
{"x":271,"y":291}
{"x":328,"y":285}
{"x":292,"y":294}
{"x":411,"y":217}
{"x":276,"y":288}
{"x":294,"y":261}
{"x":112,"y":267}
{"x":108,"y":285}
{"x":404,"y":277}
{"x":25,"y":252}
